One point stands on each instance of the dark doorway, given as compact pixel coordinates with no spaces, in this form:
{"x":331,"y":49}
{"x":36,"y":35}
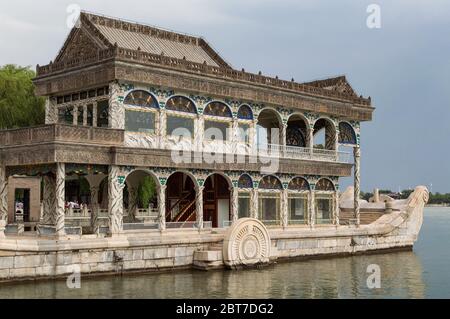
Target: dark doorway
{"x":22,"y":204}
{"x":216,"y":197}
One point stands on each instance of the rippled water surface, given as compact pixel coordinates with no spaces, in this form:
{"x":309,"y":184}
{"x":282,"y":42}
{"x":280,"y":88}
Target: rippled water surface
{"x":423,"y":273}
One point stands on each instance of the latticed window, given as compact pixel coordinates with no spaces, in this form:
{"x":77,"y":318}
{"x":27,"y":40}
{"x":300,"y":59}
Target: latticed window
{"x":270,"y":182}
{"x":181,"y":104}
{"x":215,"y":130}
{"x":245,"y":113}
{"x":65,"y":115}
{"x":141,"y":98}
{"x":217,"y":109}
{"x":180,"y":126}
{"x":347,"y":134}
{"x":102,"y":113}
{"x":245,"y":181}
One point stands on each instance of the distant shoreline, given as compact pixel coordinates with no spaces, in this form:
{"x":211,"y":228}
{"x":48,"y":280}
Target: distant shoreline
{"x":437,"y":205}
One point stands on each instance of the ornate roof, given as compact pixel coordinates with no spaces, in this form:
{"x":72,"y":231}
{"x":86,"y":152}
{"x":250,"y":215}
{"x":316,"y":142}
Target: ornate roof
{"x":107,"y":32}
{"x":99,"y":40}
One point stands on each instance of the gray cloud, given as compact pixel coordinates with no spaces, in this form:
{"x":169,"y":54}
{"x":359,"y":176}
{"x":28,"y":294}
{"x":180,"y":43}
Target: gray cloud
{"x":404,"y":66}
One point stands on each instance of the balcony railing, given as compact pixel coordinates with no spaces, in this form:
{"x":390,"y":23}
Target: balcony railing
{"x":62,"y":133}
{"x":304,"y":153}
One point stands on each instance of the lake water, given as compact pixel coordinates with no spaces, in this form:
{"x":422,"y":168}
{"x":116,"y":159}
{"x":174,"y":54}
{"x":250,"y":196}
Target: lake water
{"x":422,"y":273}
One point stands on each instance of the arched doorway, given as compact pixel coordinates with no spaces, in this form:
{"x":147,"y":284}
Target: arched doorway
{"x":140,"y":197}
{"x":216,"y":201}
{"x":180,"y":199}
{"x":268,"y":130}
{"x":296,"y":132}
{"x":324,"y":134}
{"x":324,"y":192}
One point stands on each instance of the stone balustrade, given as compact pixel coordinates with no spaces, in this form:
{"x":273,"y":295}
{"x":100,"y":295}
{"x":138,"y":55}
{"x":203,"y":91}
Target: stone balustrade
{"x":62,"y":133}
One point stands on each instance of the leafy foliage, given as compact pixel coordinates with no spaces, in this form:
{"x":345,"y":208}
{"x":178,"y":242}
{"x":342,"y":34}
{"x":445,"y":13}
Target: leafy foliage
{"x":19,"y":106}
{"x":146,"y":192}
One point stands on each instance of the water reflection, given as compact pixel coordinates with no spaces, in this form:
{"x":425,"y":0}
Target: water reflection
{"x":402,"y":276}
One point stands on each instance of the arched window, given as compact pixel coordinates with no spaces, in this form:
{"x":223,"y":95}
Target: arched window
{"x":325,"y":185}
{"x":270,"y":182}
{"x":299,"y":184}
{"x":181,"y":104}
{"x":245,"y":181}
{"x":218,"y":109}
{"x":141,"y":98}
{"x":180,"y":124}
{"x":324,"y":134}
{"x":347,"y":134}
{"x":245,"y":113}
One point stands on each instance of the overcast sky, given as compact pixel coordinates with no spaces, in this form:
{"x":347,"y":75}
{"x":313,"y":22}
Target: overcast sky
{"x":404,"y":66}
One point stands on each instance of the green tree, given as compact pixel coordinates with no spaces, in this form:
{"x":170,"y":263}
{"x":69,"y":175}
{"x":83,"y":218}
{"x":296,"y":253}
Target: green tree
{"x":146,"y":191}
{"x":19,"y":106}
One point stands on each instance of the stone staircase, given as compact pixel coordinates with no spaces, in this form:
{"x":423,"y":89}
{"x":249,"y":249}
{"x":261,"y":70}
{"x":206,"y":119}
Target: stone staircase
{"x":209,"y":259}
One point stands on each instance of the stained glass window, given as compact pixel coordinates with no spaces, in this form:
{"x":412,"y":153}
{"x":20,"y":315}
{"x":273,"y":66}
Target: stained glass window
{"x":346,"y":134}
{"x":181,"y":104}
{"x":245,"y":113}
{"x":141,"y":98}
{"x":324,"y":185}
{"x":245,"y":181}
{"x":299,"y":184}
{"x":270,"y":182}
{"x":217,"y":109}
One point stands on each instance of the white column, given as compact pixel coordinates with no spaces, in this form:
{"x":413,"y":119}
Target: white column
{"x":95,"y":209}
{"x":115,"y":201}
{"x":116,"y":115}
{"x":199,"y":133}
{"x":336,"y":210}
{"x":94,"y":114}
{"x":162,"y":207}
{"x":234,"y":204}
{"x":312,"y":208}
{"x":253,"y":138}
{"x":3,"y":200}
{"x":75,"y":115}
{"x":60,"y":199}
{"x":310,"y":139}
{"x":49,"y":200}
{"x":254,"y":203}
{"x":85,"y":113}
{"x":199,"y":206}
{"x":162,"y":128}
{"x":357,"y":156}
{"x":284,"y":208}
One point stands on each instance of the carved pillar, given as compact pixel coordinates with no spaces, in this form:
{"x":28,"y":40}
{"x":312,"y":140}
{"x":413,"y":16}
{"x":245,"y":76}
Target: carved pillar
{"x":95,"y":207}
{"x":115,"y":201}
{"x":284,"y":208}
{"x":3,"y":200}
{"x":75,"y":115}
{"x":162,"y":207}
{"x":253,"y":137}
{"x":336,"y":210}
{"x":234,"y":203}
{"x":199,"y":133}
{"x":116,"y":115}
{"x":162,"y":127}
{"x":254,"y":203}
{"x":60,"y":199}
{"x":310,"y":139}
{"x":357,"y":186}
{"x":312,"y":208}
{"x":51,"y":112}
{"x":94,"y":114}
{"x":234,"y":136}
{"x":199,"y":206}
{"x":133,"y":203}
{"x":85,"y":115}
{"x":49,"y":200}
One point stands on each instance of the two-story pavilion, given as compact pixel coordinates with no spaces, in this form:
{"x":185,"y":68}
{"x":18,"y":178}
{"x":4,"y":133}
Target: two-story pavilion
{"x":128,"y":102}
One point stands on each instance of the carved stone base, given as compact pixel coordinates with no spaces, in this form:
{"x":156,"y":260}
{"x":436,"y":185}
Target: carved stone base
{"x":247,"y":244}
